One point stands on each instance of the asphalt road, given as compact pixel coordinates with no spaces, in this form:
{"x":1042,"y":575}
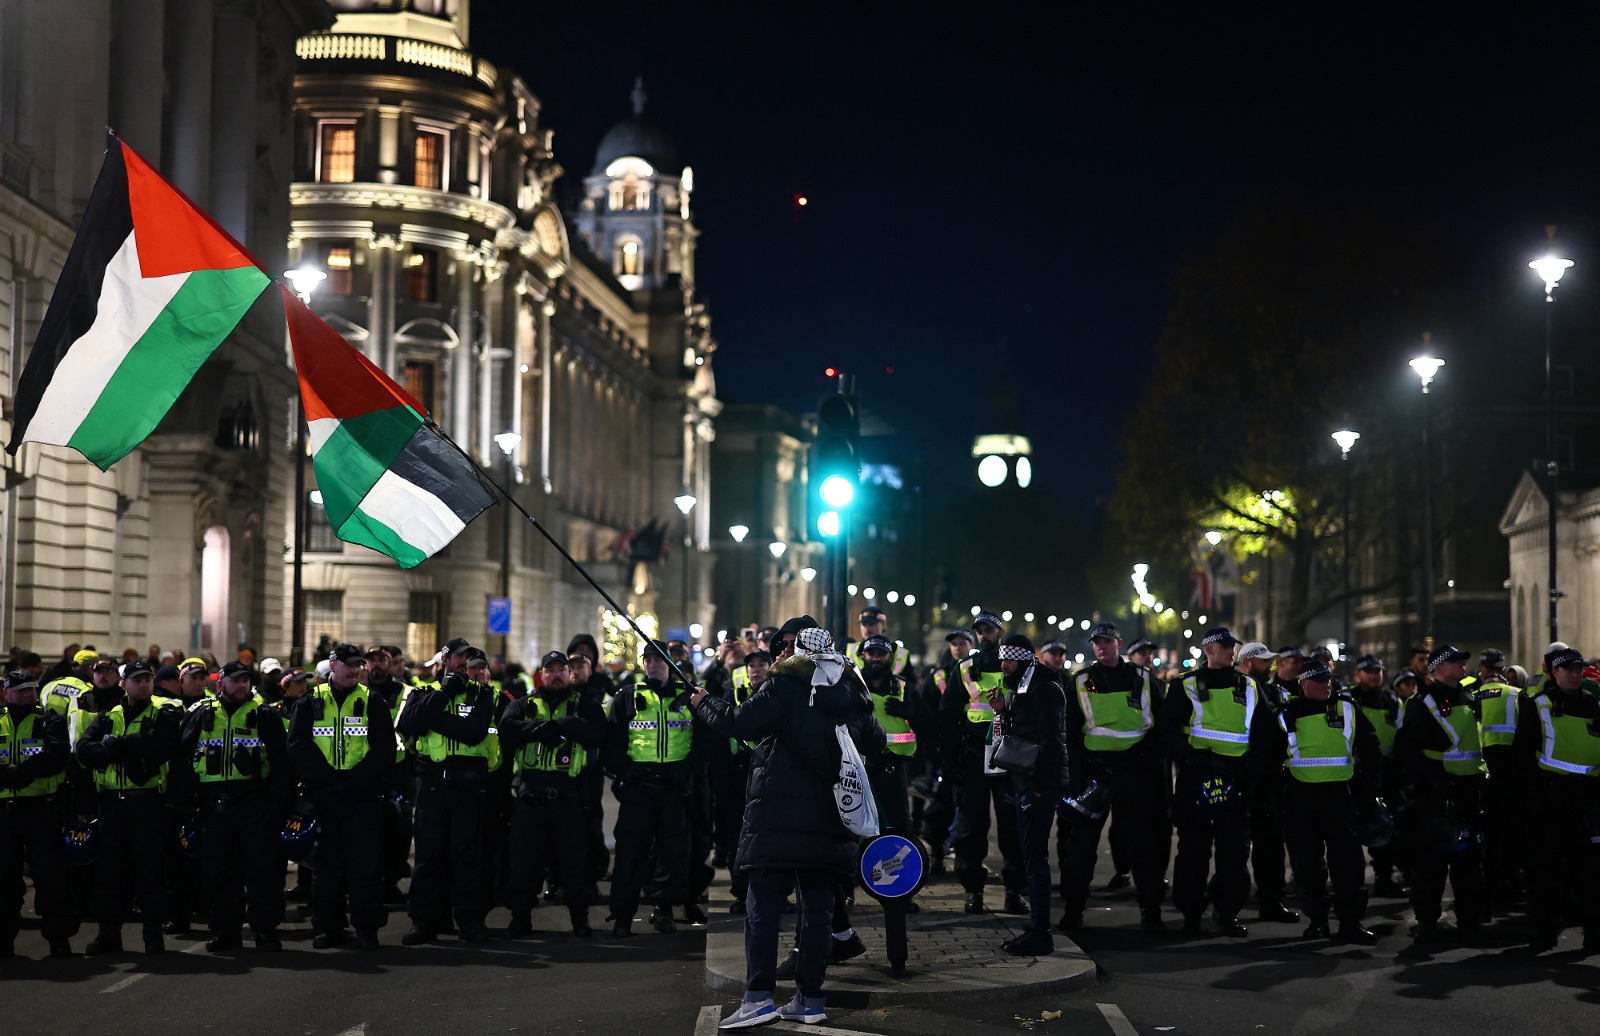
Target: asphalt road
{"x":1270,"y":983}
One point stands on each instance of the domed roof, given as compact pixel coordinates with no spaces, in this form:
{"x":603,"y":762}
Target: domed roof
{"x":637,"y":138}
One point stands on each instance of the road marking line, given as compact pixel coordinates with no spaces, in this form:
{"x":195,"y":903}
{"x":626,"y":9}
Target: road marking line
{"x":706,"y":1024}
{"x":117,"y":987}
{"x":359,"y":1030}
{"x":1117,"y":1020}
{"x":823,"y":1030}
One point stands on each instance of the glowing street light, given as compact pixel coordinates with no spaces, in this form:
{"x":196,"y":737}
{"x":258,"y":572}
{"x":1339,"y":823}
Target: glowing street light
{"x":738,"y":532}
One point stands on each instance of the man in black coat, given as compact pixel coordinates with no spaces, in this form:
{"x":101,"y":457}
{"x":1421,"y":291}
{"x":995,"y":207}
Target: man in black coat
{"x":792,"y":836}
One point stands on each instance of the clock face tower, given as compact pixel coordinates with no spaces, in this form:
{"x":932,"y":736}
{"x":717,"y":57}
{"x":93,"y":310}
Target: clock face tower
{"x":635,"y":215}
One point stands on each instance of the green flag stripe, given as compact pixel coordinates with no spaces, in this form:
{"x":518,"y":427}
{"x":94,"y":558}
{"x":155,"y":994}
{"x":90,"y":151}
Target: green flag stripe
{"x":353,"y":458}
{"x":368,"y":531}
{"x":164,"y":360}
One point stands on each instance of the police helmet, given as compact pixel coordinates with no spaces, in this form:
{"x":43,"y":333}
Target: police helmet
{"x":1219,"y":796}
{"x":299,"y":836}
{"x":78,"y":840}
{"x":1092,"y":803}
{"x":1376,"y":827}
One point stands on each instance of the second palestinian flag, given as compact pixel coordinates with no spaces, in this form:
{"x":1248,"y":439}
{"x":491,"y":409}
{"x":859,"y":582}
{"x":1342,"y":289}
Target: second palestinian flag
{"x":388,"y":481}
{"x":150,"y":288}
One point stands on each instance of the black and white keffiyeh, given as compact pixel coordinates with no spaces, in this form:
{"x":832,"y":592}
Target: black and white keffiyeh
{"x":1015,"y":653}
{"x":817,"y":645}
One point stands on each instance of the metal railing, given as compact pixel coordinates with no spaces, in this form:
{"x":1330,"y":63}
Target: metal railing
{"x":339,"y":46}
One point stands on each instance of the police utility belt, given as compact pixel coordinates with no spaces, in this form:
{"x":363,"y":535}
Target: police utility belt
{"x":456,"y":768}
{"x":538,"y":794}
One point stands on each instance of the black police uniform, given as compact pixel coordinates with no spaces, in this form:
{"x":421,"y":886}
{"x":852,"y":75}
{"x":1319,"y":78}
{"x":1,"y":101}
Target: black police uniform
{"x":1268,"y":843}
{"x":1391,"y":864}
{"x":1439,"y":804}
{"x":348,"y":860}
{"x":448,"y":821}
{"x":31,"y":816}
{"x":550,"y":742}
{"x":241,"y":811}
{"x":1137,"y":777}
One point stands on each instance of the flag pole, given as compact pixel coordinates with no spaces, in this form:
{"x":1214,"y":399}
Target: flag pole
{"x":297,"y":642}
{"x":619,"y":609}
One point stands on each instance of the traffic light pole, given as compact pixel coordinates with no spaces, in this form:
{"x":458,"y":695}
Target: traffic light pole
{"x":835,"y":601}
{"x":834,"y":472}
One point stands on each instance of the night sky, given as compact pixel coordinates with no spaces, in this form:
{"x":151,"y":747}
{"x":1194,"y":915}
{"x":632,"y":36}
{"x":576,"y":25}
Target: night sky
{"x":1021,"y":181}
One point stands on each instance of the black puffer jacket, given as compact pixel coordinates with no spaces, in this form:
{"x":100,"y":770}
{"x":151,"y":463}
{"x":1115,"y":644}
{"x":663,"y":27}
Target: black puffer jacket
{"x":1038,"y":714}
{"x":790,"y":820}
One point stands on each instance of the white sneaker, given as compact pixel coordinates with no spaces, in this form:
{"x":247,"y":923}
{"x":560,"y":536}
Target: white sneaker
{"x":749,"y":1015}
{"x":797,"y":1011}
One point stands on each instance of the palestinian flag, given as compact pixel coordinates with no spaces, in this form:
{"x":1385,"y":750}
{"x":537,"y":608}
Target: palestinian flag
{"x":388,"y":480}
{"x":151,"y":287}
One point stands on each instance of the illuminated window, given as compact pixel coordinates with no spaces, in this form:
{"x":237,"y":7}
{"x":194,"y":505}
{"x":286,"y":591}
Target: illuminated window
{"x":432,"y":151}
{"x":319,"y":531}
{"x":338,"y":259}
{"x":422,"y":276}
{"x":628,"y":258}
{"x":336,"y":152}
{"x":424,"y":615}
{"x":421,"y":379}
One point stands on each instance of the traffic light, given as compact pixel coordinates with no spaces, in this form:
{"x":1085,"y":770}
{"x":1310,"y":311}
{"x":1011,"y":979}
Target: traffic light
{"x":835,"y":464}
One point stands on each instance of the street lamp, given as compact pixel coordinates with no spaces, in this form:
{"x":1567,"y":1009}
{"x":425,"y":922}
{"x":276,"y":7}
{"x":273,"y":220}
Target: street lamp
{"x":738,"y":532}
{"x":1346,"y":439}
{"x":1426,"y":367}
{"x":777,"y":548}
{"x":1550,"y":268}
{"x":508,"y":443}
{"x":685,"y":501}
{"x":304,"y":280}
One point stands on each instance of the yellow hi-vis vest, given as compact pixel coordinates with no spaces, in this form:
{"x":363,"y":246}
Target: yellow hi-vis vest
{"x":1115,"y":722}
{"x":1222,"y":723}
{"x":658,"y":732}
{"x":568,"y":757}
{"x":1384,"y":724}
{"x":742,"y":689}
{"x":902,"y":740}
{"x":1465,"y":754}
{"x":58,"y":695}
{"x":1497,"y":713}
{"x":437,"y":747}
{"x":113,"y":777}
{"x":1319,"y":751}
{"x":340,"y":734}
{"x":18,"y":743}
{"x":1570,"y":744}
{"x":978,"y":685}
{"x":226,"y":741}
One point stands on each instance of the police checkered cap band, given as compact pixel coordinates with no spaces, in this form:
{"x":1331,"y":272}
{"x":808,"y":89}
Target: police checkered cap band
{"x":814,"y":640}
{"x":1448,"y":653}
{"x":1014,"y":653}
{"x":989,"y":619}
{"x":1221,"y":636}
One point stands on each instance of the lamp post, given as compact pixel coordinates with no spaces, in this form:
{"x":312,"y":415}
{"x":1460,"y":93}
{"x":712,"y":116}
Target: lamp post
{"x":738,"y":533}
{"x":1426,"y":367}
{"x":777,"y":548}
{"x":686,"y":501}
{"x":1550,"y":268}
{"x":304,"y":280}
{"x":1346,"y":439}
{"x":508,"y":443}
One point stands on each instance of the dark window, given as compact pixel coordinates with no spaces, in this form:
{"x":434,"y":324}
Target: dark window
{"x":324,"y":617}
{"x":422,"y":276}
{"x":421,"y":378}
{"x":319,"y":531}
{"x":336,"y":160}
{"x":425,"y":613}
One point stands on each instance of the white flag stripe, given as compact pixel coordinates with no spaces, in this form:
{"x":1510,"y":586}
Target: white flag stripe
{"x":129,"y":304}
{"x":416,"y":515}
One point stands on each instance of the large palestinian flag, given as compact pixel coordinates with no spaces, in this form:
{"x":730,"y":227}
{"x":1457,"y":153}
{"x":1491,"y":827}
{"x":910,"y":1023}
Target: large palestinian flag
{"x":151,"y":287}
{"x":388,"y":480}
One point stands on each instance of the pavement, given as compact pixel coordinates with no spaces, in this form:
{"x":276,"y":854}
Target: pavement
{"x":952,"y":956}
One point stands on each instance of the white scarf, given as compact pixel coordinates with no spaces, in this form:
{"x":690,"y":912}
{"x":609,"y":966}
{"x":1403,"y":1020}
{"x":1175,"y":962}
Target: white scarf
{"x":817,"y":645}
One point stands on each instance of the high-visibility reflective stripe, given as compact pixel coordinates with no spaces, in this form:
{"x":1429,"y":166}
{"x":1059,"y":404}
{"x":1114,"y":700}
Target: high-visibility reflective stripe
{"x":1547,"y":754}
{"x":1341,"y":761}
{"x":323,"y":731}
{"x":901,"y":739}
{"x":1297,"y":761}
{"x":1221,"y":735}
{"x":1500,"y":728}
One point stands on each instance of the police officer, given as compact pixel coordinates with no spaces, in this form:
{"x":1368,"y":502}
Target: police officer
{"x":965,"y":708}
{"x":341,"y":744}
{"x":1111,"y":707}
{"x":1142,"y":654}
{"x":937,"y":782}
{"x":383,"y":682}
{"x":451,"y":727}
{"x":899,"y":717}
{"x":872,"y":623}
{"x":239,"y":775}
{"x":128,"y":748}
{"x":1267,"y":843}
{"x":1204,"y":726}
{"x":1557,"y":744}
{"x":33,"y":759}
{"x":1330,"y":752}
{"x":58,"y":695}
{"x":1442,"y":759}
{"x":1382,"y":710}
{"x":186,"y":878}
{"x":1495,"y":701}
{"x":594,"y":687}
{"x":649,"y":737}
{"x":551,"y":736}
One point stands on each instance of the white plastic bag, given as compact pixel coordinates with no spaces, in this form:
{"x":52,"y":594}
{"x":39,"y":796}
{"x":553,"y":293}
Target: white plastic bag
{"x":853,"y":792}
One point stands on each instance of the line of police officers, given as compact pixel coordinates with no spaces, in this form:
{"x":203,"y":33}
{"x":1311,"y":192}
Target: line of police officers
{"x":502,"y":782}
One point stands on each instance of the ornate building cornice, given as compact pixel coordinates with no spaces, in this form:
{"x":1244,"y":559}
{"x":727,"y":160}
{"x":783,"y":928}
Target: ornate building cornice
{"x":491,"y":216}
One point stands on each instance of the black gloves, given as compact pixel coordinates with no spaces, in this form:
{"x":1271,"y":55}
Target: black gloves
{"x":548,"y":733}
{"x":898,"y":708}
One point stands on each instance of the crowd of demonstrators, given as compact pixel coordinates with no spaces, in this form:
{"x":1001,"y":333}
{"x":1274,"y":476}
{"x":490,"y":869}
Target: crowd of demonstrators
{"x":169,"y":788}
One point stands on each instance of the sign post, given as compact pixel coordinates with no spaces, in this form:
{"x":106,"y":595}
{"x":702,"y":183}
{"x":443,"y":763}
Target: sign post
{"x":892,"y":869}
